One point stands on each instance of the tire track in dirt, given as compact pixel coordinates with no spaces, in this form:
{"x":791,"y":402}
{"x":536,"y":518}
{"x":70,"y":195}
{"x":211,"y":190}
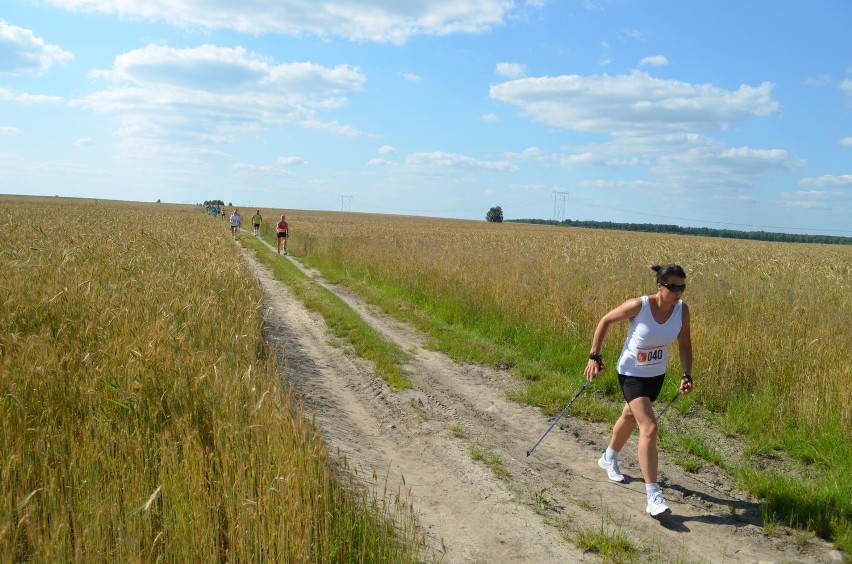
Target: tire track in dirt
{"x":522,"y":512}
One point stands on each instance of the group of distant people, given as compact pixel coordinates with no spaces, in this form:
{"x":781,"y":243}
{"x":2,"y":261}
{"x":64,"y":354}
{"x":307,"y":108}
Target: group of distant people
{"x":282,"y":228}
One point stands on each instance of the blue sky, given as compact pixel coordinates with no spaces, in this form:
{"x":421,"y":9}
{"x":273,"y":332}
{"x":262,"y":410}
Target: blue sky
{"x":725,"y":114}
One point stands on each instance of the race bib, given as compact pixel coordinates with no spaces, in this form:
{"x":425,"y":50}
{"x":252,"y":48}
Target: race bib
{"x":649,"y":356}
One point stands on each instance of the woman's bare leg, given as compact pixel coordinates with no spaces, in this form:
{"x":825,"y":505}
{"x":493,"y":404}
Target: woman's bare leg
{"x":644,"y":416}
{"x":622,"y":429}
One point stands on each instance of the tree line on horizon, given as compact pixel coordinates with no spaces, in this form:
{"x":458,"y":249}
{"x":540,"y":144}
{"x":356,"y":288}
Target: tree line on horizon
{"x":702,"y":231}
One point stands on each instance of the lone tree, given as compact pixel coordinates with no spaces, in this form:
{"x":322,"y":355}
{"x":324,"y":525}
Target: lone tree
{"x":495,"y":214}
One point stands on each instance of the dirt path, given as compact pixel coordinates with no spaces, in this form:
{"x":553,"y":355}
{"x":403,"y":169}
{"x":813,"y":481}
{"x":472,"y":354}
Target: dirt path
{"x":530,"y":509}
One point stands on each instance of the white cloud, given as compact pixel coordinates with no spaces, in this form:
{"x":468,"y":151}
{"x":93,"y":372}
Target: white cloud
{"x":530,"y":154}
{"x":140,"y":147}
{"x":290,"y":161}
{"x":253,"y":167}
{"x":634,"y":34}
{"x":331,"y":126}
{"x":812,"y":199}
{"x":597,"y":159}
{"x":804,"y":204}
{"x":411,"y":77}
{"x":277,"y":168}
{"x":711,"y":163}
{"x":9,"y":130}
{"x":209,"y":94}
{"x":386,"y":150}
{"x":846,"y":141}
{"x":616,"y":184}
{"x":22,"y":52}
{"x":443,"y":160}
{"x":655,"y":61}
{"x":511,"y":70}
{"x":9,"y":96}
{"x":84,"y":142}
{"x":489,"y":118}
{"x":728,"y":198}
{"x":633,"y":104}
{"x":380,"y":162}
{"x":747,"y":153}
{"x":820,"y":80}
{"x":594,"y":4}
{"x":231,"y":70}
{"x":846,"y":87}
{"x":820,"y":194}
{"x":828,"y":180}
{"x":366,"y":20}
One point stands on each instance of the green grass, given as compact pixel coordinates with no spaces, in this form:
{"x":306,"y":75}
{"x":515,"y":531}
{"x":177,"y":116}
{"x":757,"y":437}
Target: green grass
{"x":541,"y":499}
{"x":612,"y":546}
{"x":457,"y":431}
{"x":342,"y":321}
{"x":493,"y":461}
{"x":820,"y":507}
{"x":689,"y":450}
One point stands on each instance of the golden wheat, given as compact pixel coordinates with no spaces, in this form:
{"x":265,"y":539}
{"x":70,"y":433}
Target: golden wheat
{"x":143,"y":417}
{"x":771,"y":320}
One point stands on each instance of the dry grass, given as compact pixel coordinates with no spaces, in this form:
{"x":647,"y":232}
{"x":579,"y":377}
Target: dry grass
{"x":142,"y":414}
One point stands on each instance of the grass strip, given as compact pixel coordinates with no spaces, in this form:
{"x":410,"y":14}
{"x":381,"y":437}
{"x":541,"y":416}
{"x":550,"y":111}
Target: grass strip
{"x":342,"y":321}
{"x":821,"y":507}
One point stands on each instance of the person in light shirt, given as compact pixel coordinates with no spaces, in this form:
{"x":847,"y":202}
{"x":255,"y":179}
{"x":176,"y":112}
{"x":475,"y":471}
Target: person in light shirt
{"x":655,"y":322}
{"x":235,"y":223}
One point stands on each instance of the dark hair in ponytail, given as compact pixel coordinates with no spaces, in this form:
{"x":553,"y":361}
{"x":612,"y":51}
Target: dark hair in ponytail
{"x":666,"y":270}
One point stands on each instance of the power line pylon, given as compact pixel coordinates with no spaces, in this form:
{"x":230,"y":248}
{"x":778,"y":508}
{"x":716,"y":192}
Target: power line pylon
{"x":559,"y":197}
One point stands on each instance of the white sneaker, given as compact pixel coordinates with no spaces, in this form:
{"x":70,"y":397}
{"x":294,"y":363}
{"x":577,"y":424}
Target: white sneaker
{"x":611,"y":468}
{"x":657,"y":505}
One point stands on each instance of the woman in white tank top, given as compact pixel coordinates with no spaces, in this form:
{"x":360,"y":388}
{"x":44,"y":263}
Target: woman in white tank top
{"x":655,"y":322}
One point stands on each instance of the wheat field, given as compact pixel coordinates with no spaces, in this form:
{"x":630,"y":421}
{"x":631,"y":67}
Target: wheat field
{"x":770,"y":320}
{"x":143,"y":416}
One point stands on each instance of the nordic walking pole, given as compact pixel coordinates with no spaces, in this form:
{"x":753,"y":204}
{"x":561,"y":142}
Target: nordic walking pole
{"x":555,"y":421}
{"x":686,"y":378}
{"x":668,"y":405}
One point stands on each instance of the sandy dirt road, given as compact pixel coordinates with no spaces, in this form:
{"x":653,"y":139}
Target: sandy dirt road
{"x":531,"y":508}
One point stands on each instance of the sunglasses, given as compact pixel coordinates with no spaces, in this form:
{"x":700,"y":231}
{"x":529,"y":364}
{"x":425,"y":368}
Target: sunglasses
{"x":674,"y":287}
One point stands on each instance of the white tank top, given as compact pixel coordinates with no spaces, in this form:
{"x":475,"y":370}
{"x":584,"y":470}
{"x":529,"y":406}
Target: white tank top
{"x":646,"y":350}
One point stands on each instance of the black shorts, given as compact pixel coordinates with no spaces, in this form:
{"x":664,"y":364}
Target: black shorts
{"x":638,"y":387}
{"x":282,"y":234}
